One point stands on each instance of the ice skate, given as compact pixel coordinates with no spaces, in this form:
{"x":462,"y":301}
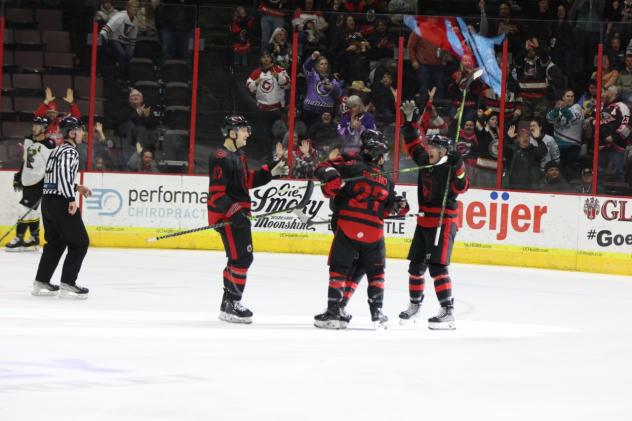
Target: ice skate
{"x":331,"y":318}
{"x":411,"y":314}
{"x":73,"y":292}
{"x":378,"y":318}
{"x":444,"y":320}
{"x":233,"y":312}
{"x":43,"y":289}
{"x":345,"y":318}
{"x":17,"y":244}
{"x":32,"y":244}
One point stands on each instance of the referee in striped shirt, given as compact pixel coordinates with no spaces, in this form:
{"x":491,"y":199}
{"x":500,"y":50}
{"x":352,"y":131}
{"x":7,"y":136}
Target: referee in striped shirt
{"x":62,"y":219}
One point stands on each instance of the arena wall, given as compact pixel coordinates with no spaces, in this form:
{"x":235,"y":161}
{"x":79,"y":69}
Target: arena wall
{"x":565,"y":232}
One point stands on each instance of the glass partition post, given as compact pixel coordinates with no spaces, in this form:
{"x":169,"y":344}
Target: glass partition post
{"x":595,"y":162}
{"x":93,"y":87}
{"x":1,"y":51}
{"x":292,"y":110}
{"x":194,"y":90}
{"x":398,"y":101}
{"x":501,"y":126}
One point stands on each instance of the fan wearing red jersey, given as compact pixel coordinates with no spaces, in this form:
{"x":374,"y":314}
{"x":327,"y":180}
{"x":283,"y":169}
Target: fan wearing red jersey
{"x":438,"y":188}
{"x":359,"y":210}
{"x":229,"y":201}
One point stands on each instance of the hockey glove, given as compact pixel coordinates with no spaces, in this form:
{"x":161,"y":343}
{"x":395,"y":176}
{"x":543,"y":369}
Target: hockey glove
{"x":17,"y":181}
{"x":237,"y":217}
{"x":401,"y":206}
{"x":280,"y":169}
{"x":455,"y":160}
{"x":332,"y":183}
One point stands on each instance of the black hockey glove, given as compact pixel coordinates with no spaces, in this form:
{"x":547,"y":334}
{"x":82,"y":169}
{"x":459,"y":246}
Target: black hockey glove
{"x":17,"y":181}
{"x":455,"y":160}
{"x":401,"y":206}
{"x":237,"y":217}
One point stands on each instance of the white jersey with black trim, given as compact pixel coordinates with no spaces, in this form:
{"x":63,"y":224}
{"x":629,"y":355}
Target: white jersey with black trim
{"x":36,"y":154}
{"x":61,"y":172}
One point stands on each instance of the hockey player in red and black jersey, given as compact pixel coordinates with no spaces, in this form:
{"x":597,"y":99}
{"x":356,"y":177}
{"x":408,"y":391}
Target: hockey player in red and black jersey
{"x":446,"y":176}
{"x":229,"y":201}
{"x":359,"y":208}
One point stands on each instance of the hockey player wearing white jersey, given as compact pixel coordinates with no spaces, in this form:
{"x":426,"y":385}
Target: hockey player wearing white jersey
{"x":30,"y":179}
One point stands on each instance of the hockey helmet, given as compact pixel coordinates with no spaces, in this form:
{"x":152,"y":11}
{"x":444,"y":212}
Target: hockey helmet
{"x":373,"y":145}
{"x":234,"y":122}
{"x":68,"y":124}
{"x":441,"y":141}
{"x":41,"y":121}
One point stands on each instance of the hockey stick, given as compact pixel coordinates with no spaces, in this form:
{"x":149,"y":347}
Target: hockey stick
{"x":477,"y":73}
{"x":309,"y":188}
{"x":23,"y":216}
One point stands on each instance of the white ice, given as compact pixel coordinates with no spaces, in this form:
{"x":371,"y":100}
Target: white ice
{"x":147,"y":345}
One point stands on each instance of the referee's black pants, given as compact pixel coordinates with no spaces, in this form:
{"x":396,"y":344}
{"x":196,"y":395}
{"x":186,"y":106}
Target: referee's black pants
{"x":62,"y":230}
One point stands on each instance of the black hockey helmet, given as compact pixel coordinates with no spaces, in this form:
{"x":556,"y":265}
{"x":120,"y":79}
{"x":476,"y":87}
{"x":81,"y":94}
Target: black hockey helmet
{"x":373,"y":145}
{"x":41,"y":121}
{"x":441,"y":141}
{"x":68,"y":124}
{"x":234,"y":122}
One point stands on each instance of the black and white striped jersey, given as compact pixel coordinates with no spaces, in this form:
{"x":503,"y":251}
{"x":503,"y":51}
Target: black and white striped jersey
{"x":61,"y":172}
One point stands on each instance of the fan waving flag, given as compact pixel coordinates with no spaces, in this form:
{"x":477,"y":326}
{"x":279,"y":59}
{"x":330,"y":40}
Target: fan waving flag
{"x":483,"y":49}
{"x":439,"y":31}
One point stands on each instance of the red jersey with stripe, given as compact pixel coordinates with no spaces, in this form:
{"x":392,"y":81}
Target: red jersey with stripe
{"x":229,"y":182}
{"x":431,"y":183}
{"x":361,"y":205}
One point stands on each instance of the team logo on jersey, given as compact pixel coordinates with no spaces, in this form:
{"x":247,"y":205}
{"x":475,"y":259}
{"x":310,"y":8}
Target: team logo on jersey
{"x":266,"y":86}
{"x":320,"y":88}
{"x":591,"y":207}
{"x":220,"y":153}
{"x":107,"y":202}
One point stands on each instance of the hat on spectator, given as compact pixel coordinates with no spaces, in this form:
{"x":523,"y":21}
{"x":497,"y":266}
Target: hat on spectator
{"x":587,"y":171}
{"x":358,"y":85}
{"x":354,"y":100}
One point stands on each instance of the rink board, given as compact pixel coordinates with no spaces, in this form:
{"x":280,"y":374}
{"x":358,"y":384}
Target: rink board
{"x":496,"y":227}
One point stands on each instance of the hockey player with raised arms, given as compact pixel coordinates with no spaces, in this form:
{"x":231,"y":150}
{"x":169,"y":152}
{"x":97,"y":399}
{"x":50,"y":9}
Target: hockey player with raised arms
{"x":30,"y":179}
{"x":359,"y":209}
{"x":229,"y":201}
{"x":438,"y":186}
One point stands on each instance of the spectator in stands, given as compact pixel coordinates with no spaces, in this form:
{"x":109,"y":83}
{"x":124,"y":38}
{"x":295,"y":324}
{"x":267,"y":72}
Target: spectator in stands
{"x":624,"y":81}
{"x":616,"y":52}
{"x":136,"y":123}
{"x":566,"y":119}
{"x":586,"y":17}
{"x":103,"y":147}
{"x":467,"y":147}
{"x":609,"y":74}
{"x":588,"y":101}
{"x":176,"y":20}
{"x":383,"y":97}
{"x":142,"y":160}
{"x":322,"y":90}
{"x":353,"y":61}
{"x":585,"y":186}
{"x":536,"y":128}
{"x":487,"y":160}
{"x":268,"y":82}
{"x":280,"y":48}
{"x":99,"y":164}
{"x":473,"y":94}
{"x":614,"y":134}
{"x":505,"y":25}
{"x":553,"y":180}
{"x":105,"y":12}
{"x":530,"y":73}
{"x":119,"y":34}
{"x":345,"y":27}
{"x":523,"y":169}
{"x":353,"y":123}
{"x":305,"y":158}
{"x":49,"y":108}
{"x":562,"y":44}
{"x":146,"y":18}
{"x":425,"y":58}
{"x":382,"y":42}
{"x":324,"y":134}
{"x":281,"y":126}
{"x":280,"y":151}
{"x":311,"y":27}
{"x":241,"y":26}
{"x":272,"y":17}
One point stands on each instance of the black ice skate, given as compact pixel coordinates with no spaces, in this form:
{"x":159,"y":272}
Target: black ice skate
{"x":378,"y":318}
{"x":42,"y":289}
{"x":232,"y":311}
{"x":411,"y":314}
{"x":345,"y":318}
{"x":444,"y":320}
{"x":32,"y":244}
{"x":73,"y":291}
{"x":17,"y":244}
{"x":332,"y":318}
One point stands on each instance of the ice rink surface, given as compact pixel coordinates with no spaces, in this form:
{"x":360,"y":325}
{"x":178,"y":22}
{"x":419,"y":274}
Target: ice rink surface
{"x":147,"y":345}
